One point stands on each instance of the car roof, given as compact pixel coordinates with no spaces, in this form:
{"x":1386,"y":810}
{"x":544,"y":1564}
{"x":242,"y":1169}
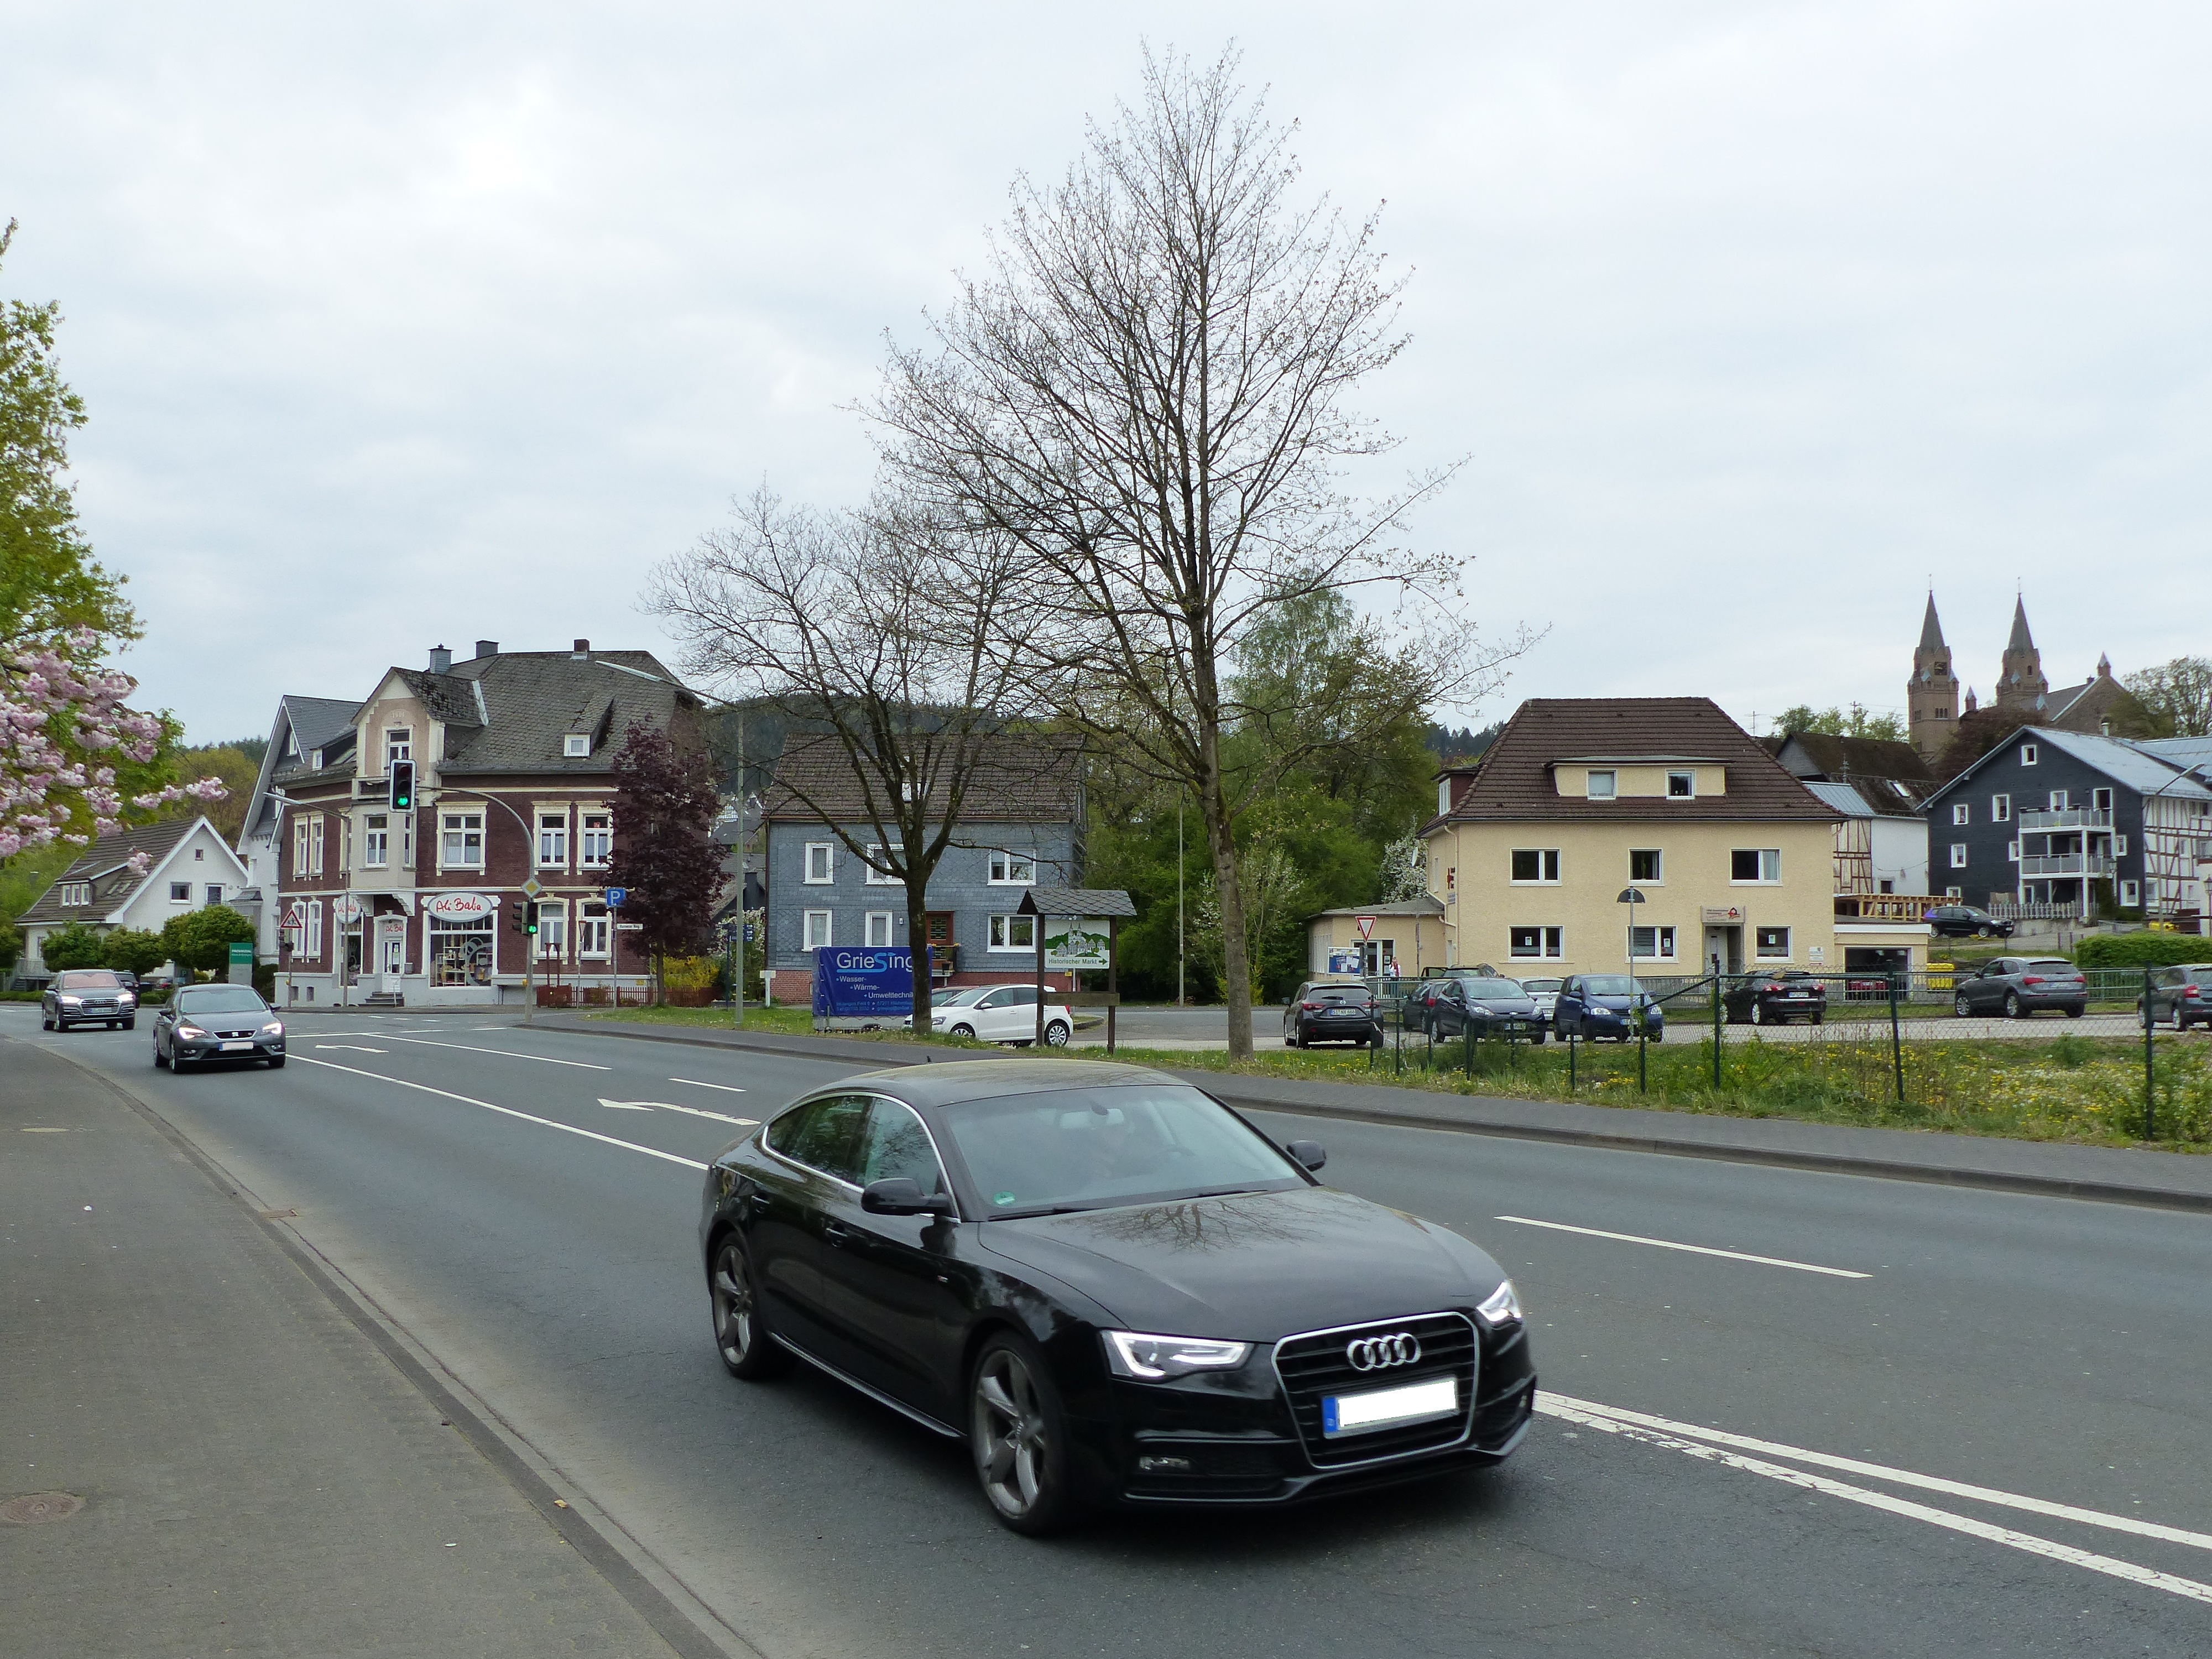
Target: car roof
{"x":957,"y":1081}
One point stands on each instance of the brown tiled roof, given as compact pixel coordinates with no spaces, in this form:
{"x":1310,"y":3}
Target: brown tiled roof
{"x":1020,"y":781}
{"x":1516,"y":782}
{"x":103,"y":866}
{"x":1843,"y":760}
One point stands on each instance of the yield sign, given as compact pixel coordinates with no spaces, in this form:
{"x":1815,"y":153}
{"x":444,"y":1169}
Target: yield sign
{"x":1366,"y":926}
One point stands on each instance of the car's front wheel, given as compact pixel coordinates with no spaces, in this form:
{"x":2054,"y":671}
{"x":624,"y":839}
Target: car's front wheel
{"x":740,"y":1334}
{"x":1019,"y":1435}
{"x":963,"y":1030}
{"x":276,"y":1063}
{"x":129,"y":1024}
{"x":160,"y":1059}
{"x":1961,"y":1006}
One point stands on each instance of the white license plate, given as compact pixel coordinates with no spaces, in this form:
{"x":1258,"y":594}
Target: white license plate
{"x":1388,"y":1409}
{"x":237,"y":1047}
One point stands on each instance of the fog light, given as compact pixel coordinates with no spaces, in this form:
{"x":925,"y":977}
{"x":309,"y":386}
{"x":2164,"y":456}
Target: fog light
{"x":1163,"y":1464}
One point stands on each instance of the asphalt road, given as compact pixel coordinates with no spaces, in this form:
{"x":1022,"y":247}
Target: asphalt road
{"x":1988,"y":1358}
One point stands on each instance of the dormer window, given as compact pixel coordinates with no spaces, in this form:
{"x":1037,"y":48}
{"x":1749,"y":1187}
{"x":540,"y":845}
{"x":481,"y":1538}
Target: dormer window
{"x":1601,"y":786}
{"x":399,"y":743}
{"x":1681,"y":785}
{"x":315,"y":760}
{"x":576,"y":745}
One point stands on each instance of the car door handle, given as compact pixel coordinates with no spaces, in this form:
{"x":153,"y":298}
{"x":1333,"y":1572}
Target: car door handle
{"x":835,"y":1233}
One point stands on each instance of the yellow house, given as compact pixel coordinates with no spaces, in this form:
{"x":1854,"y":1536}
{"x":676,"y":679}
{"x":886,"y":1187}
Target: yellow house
{"x":1580,"y":800}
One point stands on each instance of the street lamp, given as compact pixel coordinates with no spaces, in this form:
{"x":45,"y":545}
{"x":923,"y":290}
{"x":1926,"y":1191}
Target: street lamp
{"x":1633,"y":896}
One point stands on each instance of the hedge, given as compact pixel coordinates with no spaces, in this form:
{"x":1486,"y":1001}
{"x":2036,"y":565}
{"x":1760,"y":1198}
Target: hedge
{"x":2142,"y":949}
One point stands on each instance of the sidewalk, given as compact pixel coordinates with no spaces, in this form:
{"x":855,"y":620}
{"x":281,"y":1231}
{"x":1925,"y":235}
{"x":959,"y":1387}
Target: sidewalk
{"x":256,"y":1476}
{"x":2165,"y":1180}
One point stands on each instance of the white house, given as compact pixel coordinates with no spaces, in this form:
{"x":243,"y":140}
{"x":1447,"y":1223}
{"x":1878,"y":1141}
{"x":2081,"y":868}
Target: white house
{"x":192,"y":866}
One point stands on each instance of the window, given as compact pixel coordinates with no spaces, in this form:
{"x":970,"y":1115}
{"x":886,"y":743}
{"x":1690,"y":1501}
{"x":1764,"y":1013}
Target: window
{"x":1681,"y":785}
{"x":460,"y":950}
{"x":2058,"y":801}
{"x":2100,"y":800}
{"x":591,"y":934}
{"x":299,"y":845}
{"x":214,"y":892}
{"x":399,"y":744}
{"x":817,"y":929}
{"x":1759,"y":863}
{"x":199,"y":854}
{"x":897,"y":1147}
{"x":315,"y":760}
{"x":1954,"y":893}
{"x":1655,"y":943}
{"x":462,"y":847}
{"x":80,"y":893}
{"x":375,"y":842}
{"x":2130,"y":894}
{"x":576,"y":744}
{"x":1536,"y":942}
{"x":2028,"y":754}
{"x":598,"y":839}
{"x":1601,"y":785}
{"x":552,"y":928}
{"x":2000,"y":809}
{"x":2119,"y":847}
{"x":1536,"y":864}
{"x":2012,"y":851}
{"x":314,"y":949}
{"x":1771,"y":942}
{"x":552,"y":839}
{"x":821,"y":863}
{"x":876,"y":877}
{"x":1013,"y":869}
{"x":1013,"y":932}
{"x":315,"y":845}
{"x":825,"y":1135}
{"x":181,"y":892}
{"x":877,"y":928}
{"x":1961,"y":812}
{"x":1958,"y":855}
{"x":1643,"y":863}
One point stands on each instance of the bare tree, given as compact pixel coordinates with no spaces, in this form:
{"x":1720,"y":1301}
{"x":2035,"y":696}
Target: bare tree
{"x":1148,"y":393}
{"x":878,"y":636}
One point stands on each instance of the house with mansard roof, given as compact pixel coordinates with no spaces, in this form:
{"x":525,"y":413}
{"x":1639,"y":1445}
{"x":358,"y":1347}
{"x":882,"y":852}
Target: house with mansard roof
{"x":188,"y":866}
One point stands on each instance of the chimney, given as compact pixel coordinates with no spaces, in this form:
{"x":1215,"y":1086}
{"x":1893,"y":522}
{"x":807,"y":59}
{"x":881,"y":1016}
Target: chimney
{"x":583,"y":650}
{"x":441,"y":660}
{"x":487,"y":648}
{"x":2105,"y":726}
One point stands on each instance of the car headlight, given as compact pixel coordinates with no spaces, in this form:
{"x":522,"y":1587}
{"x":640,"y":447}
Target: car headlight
{"x":127,"y":999}
{"x":1502,"y":1306}
{"x":274,"y":1028}
{"x":183,"y":1030}
{"x":72,"y":1002}
{"x":1156,"y":1359}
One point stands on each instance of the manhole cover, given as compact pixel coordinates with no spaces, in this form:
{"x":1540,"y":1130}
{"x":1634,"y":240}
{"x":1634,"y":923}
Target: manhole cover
{"x":34,"y":1507}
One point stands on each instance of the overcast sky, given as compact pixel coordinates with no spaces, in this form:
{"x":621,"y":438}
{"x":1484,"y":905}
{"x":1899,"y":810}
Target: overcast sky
{"x":407,"y":324}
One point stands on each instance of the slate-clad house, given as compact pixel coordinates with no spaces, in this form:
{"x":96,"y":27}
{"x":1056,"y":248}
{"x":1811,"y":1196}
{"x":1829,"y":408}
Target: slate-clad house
{"x":302,"y":727}
{"x":512,"y":754}
{"x":190,"y":868}
{"x":2052,"y":817}
{"x":1022,"y":826}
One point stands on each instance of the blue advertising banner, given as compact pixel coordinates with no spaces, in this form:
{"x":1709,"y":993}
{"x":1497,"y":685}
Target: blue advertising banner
{"x":850,"y":980}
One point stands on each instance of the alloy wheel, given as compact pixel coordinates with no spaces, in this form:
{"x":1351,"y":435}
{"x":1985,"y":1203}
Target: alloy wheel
{"x":2012,"y":1005}
{"x":1961,"y":1006}
{"x":1011,"y":1436}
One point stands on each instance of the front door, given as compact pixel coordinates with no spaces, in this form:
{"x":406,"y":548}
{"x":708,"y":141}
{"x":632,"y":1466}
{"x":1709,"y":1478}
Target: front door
{"x":1727,"y":944}
{"x":939,"y":940}
{"x":391,"y":952}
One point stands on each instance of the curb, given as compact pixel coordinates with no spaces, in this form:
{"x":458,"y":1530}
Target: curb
{"x":1223,"y":1086}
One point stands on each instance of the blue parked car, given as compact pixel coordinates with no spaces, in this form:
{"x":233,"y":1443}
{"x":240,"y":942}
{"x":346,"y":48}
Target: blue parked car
{"x":1593,"y":1006}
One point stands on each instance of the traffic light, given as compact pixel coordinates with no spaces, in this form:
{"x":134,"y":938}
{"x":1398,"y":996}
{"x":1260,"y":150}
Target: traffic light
{"x":525,"y":918}
{"x":401,"y":775}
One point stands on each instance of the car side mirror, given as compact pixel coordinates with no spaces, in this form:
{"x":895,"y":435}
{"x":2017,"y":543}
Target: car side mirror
{"x":1309,"y":1154}
{"x":897,"y":1196}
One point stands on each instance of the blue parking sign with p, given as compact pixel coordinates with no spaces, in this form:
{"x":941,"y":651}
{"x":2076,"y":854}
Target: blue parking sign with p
{"x":615,"y":898}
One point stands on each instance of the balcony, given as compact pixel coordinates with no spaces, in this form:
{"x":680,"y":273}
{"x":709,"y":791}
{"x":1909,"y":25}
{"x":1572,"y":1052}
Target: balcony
{"x":2067,"y":864}
{"x":2071,"y":817}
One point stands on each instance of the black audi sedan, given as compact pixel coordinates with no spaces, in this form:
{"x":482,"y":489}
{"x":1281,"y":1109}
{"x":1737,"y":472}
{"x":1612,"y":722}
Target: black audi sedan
{"x":1112,"y":1287}
{"x":204,"y":1023}
{"x":1776,"y":999}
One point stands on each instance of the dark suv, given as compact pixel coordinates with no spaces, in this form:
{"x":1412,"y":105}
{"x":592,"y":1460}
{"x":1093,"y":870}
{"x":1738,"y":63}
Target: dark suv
{"x":1775,"y":999}
{"x":1964,"y":921}
{"x":2016,"y":986}
{"x":1332,"y":1011}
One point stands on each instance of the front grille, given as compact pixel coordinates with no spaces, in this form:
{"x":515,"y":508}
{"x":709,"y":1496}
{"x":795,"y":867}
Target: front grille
{"x":1314,"y":1364}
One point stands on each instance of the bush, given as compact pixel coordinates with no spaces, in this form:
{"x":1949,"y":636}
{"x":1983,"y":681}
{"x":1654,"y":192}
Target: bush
{"x":201,"y":939}
{"x":133,"y":951}
{"x":74,"y":946}
{"x":2142,"y":949}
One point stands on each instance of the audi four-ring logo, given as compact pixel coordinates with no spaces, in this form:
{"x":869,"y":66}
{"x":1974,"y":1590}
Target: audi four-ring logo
{"x":1375,"y":1353}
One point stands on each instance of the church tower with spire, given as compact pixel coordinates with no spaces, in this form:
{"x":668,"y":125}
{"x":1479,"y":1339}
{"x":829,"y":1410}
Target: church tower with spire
{"x":1931,"y":697}
{"x":2020,"y":684}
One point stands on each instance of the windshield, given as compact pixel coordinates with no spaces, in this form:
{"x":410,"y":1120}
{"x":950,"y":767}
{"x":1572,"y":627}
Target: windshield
{"x":959,"y":999}
{"x":87,"y":979}
{"x":1492,"y":987}
{"x":1081,"y":1149}
{"x":220,"y":999}
{"x":1609,"y":985}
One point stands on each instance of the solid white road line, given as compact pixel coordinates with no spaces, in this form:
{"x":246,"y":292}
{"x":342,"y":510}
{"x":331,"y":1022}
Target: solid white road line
{"x":2106,"y":1564}
{"x":506,"y":1111}
{"x":727,"y":1088}
{"x":1694,"y":1249}
{"x":1901,"y":1477}
{"x":581,"y":1065}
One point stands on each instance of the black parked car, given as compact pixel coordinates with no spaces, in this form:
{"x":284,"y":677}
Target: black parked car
{"x":1492,"y":1006}
{"x":1111,"y":1286}
{"x":2017,"y":986}
{"x":1775,"y":998}
{"x":1332,"y":1011}
{"x":87,"y":996}
{"x":204,"y":1022}
{"x":1966,"y":921}
{"x":1593,"y":1006}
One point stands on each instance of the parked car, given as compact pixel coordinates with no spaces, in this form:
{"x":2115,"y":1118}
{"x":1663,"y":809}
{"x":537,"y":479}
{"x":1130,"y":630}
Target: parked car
{"x":206,"y":1023}
{"x":1593,"y":1006}
{"x":87,"y":996}
{"x":1493,"y":1006}
{"x":1544,"y":993}
{"x":1333,"y":1011}
{"x":1967,"y":921}
{"x":2016,"y":986}
{"x":2181,"y":995}
{"x":1775,"y":998}
{"x":1000,"y":1013}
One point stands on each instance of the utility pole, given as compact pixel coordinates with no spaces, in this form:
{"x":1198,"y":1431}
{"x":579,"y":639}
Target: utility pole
{"x":1178,"y":897}
{"x":744,"y":840}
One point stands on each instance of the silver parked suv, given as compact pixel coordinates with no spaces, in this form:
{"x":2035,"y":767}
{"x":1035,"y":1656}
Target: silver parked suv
{"x":2016,"y":986}
{"x":2181,"y":995}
